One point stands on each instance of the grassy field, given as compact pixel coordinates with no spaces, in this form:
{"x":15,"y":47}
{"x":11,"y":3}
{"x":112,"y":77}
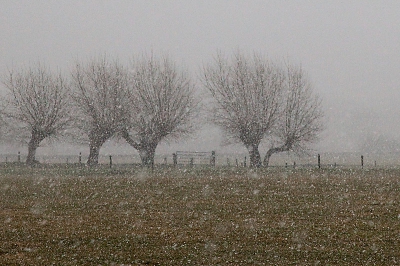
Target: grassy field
{"x":199,"y":217}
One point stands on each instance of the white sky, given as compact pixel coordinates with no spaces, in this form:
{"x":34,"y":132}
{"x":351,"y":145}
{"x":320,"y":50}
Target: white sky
{"x":351,"y":49}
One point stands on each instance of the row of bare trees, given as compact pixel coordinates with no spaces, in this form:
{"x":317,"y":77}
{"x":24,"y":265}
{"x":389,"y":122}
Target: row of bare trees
{"x":151,"y":100}
{"x":258,"y":100}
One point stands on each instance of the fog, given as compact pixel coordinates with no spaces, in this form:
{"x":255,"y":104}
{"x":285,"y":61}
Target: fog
{"x":350,"y":49}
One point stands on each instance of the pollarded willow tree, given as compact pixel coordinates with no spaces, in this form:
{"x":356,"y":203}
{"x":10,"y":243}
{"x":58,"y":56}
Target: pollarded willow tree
{"x":100,"y":94}
{"x":37,"y":106}
{"x":246,"y":93}
{"x":162,"y":105}
{"x":300,"y":116}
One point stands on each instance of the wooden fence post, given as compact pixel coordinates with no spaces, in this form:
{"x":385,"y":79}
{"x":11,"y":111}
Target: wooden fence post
{"x":80,"y":158}
{"x":175,"y":159}
{"x":294,"y":165}
{"x":245,"y":159}
{"x":319,"y":161}
{"x":213,"y":158}
{"x":362,"y":162}
{"x":19,"y":157}
{"x":110,"y":161}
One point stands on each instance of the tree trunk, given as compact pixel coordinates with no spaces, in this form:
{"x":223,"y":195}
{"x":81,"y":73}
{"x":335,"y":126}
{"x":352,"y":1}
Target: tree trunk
{"x":146,"y":150}
{"x":255,"y":158}
{"x":272,"y":151}
{"x":93,"y":158}
{"x":36,"y":138}
{"x":147,"y":153}
{"x":94,"y":147}
{"x":32,"y":147}
{"x":266,"y":158}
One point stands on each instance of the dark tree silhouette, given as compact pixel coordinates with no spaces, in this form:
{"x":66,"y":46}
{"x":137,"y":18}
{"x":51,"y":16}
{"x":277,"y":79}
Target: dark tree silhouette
{"x":100,"y":94}
{"x":300,"y":119}
{"x":162,"y":105}
{"x":246,"y":93}
{"x":37,"y":106}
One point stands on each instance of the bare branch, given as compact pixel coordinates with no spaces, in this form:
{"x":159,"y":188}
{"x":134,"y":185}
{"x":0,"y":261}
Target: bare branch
{"x":100,"y":94}
{"x":162,"y":105}
{"x":301,"y":115}
{"x":246,"y":93}
{"x":37,"y":106}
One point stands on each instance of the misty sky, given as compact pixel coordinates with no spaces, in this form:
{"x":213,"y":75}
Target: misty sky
{"x":350,"y":49}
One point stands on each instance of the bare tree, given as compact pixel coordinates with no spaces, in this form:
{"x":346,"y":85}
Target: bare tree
{"x":37,"y":106}
{"x":100,"y":93}
{"x":246,"y":91}
{"x":163,"y":105}
{"x":300,"y":119}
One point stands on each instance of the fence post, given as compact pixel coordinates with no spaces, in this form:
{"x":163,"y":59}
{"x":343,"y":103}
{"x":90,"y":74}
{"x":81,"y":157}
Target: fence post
{"x":319,"y":161}
{"x":191,"y":162}
{"x":19,"y":157}
{"x":294,"y":165}
{"x":80,"y":158}
{"x":245,"y":159}
{"x":110,"y":161}
{"x":213,"y":158}
{"x":362,"y":162}
{"x":237,"y":163}
{"x":175,"y":159}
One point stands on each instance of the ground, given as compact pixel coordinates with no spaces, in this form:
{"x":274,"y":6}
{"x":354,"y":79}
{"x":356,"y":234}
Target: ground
{"x":222,"y":216}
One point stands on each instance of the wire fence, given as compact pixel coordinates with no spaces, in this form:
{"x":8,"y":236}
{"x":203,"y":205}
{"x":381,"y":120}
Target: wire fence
{"x":212,"y":158}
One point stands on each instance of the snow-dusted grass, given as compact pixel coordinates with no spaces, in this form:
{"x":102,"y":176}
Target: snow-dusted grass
{"x":79,"y":216}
